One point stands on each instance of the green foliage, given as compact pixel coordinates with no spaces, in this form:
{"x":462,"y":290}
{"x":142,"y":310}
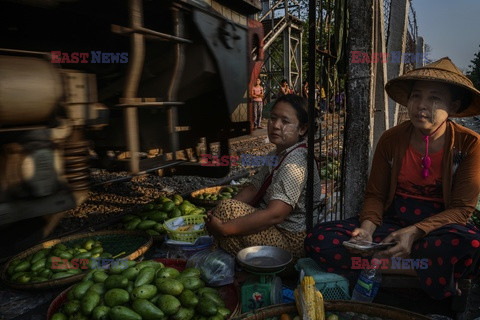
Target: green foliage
{"x":474,"y":73}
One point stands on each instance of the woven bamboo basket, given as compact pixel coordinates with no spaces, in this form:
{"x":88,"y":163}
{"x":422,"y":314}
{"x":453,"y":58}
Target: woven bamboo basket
{"x":361,"y":308}
{"x":229,"y":293}
{"x":134,"y":243}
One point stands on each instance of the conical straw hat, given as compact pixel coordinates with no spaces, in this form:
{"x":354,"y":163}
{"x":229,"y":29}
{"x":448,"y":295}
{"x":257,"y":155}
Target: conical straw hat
{"x":442,"y":70}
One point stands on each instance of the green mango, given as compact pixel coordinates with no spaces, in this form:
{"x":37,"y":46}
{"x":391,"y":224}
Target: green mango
{"x":132,"y":224}
{"x":123,"y":313}
{"x":97,"y":250}
{"x":83,"y":255}
{"x":188,"y":298}
{"x":150,"y":263}
{"x":204,"y":290}
{"x":224,"y":312}
{"x":168,"y":304}
{"x":206,"y":308}
{"x":98,"y":288}
{"x":147,"y":310}
{"x":175,"y":213}
{"x":152,"y":232}
{"x":131,"y":273}
{"x":100,"y":313}
{"x":22,"y":266}
{"x":177,"y":199}
{"x":60,"y":275}
{"x":169,"y":286}
{"x":40,"y":255}
{"x":99,"y":276}
{"x":60,"y":246}
{"x":71,"y":307}
{"x":12,"y":266}
{"x":213,"y":298}
{"x":154,"y":300}
{"x":46,"y":273}
{"x":146,"y":291}
{"x":88,"y":244}
{"x":81,"y":288}
{"x":89,"y":301}
{"x":25,"y":278}
{"x":59,"y":316}
{"x":192,"y":283}
{"x":183,"y":314}
{"x":159,"y":228}
{"x":159,"y":216}
{"x":39,"y":264}
{"x":168,"y":206}
{"x":167,"y":273}
{"x":115,"y":281}
{"x":191,"y":272}
{"x":38,"y":279}
{"x":146,"y":224}
{"x":73,"y":271}
{"x":116,"y":297}
{"x":145,"y":276}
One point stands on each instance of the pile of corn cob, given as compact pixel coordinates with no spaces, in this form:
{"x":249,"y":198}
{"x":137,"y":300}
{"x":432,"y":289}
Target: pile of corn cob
{"x":309,"y":300}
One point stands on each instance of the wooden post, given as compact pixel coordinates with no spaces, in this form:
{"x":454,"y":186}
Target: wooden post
{"x":359,"y":110}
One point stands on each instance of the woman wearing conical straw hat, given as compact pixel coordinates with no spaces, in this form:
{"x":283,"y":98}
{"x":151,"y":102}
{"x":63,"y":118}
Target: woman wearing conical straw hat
{"x":423,"y":187}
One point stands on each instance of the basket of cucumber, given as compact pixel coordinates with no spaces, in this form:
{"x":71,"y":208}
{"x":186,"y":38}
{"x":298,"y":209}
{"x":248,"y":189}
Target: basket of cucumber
{"x":213,"y":195}
{"x":63,"y":261}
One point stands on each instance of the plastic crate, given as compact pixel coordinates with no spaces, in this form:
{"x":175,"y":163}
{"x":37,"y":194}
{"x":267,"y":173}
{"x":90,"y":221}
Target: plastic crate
{"x":189,"y":235}
{"x":331,"y":285}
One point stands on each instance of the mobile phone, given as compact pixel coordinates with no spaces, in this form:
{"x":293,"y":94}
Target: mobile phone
{"x":363,"y":245}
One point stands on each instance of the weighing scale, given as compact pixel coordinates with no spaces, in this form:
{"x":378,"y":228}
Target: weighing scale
{"x":263,"y":288}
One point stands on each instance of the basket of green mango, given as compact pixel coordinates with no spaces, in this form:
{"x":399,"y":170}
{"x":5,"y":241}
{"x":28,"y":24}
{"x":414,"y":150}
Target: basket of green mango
{"x":154,"y":214}
{"x":66,"y":260}
{"x":143,"y":290}
{"x":212,"y":196}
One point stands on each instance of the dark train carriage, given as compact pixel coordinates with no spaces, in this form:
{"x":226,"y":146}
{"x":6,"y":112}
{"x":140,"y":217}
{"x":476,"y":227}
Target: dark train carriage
{"x":136,"y":85}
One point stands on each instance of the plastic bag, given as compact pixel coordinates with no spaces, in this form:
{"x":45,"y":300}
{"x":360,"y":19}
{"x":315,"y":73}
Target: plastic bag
{"x":218,"y":267}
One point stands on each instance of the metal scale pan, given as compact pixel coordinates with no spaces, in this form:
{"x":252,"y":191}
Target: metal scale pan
{"x":264,"y":259}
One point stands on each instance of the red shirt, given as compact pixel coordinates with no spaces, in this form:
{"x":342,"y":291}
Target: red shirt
{"x":411,"y":182}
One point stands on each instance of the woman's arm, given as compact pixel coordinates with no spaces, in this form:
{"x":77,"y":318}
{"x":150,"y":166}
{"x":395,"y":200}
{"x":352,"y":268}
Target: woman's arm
{"x":378,"y":185}
{"x":260,"y":220}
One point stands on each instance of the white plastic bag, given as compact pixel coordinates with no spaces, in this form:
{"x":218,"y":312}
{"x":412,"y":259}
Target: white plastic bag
{"x":218,"y":267}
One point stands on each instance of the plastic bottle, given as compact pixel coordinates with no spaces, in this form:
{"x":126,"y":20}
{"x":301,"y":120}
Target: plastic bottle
{"x":367,"y":285}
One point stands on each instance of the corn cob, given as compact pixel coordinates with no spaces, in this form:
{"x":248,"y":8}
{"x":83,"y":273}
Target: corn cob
{"x":319,"y":306}
{"x":298,"y":303}
{"x":308,"y":293}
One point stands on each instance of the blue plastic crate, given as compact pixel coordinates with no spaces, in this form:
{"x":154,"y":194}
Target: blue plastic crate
{"x":331,"y":285}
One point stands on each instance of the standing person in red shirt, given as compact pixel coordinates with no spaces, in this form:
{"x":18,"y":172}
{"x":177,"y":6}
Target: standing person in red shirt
{"x":257,"y":95}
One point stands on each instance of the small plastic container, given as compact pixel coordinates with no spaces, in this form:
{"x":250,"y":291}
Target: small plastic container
{"x":331,"y":285}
